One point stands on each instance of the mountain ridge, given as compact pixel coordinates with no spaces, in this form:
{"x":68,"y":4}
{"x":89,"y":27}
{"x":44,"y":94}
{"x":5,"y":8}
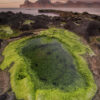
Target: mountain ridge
{"x":47,"y":4}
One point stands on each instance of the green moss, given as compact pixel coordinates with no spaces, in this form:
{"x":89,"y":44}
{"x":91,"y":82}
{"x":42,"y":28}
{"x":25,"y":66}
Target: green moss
{"x":26,"y":82}
{"x":28,"y":22}
{"x":6,"y":32}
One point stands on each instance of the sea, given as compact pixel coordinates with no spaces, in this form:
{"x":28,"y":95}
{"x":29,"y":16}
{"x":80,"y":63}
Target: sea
{"x":34,"y":11}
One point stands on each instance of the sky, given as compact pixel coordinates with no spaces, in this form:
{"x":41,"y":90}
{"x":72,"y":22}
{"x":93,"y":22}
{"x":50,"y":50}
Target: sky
{"x":16,"y":3}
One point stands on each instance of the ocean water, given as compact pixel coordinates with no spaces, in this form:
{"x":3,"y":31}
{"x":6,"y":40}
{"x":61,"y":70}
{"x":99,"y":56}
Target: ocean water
{"x":34,"y":11}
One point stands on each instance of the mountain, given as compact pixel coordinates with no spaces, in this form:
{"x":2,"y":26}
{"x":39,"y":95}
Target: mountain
{"x":39,"y":3}
{"x":47,"y":4}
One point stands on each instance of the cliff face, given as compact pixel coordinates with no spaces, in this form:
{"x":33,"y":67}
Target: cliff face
{"x":47,"y":3}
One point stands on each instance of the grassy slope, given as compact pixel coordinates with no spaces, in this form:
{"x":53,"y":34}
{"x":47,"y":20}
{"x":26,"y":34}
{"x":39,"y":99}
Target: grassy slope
{"x":24,"y":89}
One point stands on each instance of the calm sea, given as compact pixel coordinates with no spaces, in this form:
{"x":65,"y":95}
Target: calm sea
{"x":34,"y":11}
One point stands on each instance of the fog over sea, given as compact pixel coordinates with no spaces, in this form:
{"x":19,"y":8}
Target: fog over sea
{"x":34,"y":11}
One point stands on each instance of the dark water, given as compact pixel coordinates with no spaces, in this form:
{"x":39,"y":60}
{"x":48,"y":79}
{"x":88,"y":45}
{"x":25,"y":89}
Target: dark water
{"x":34,"y":11}
{"x":31,"y":11}
{"x":53,"y":65}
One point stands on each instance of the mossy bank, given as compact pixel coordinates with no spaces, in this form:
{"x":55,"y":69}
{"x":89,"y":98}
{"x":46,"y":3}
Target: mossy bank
{"x":50,"y":66}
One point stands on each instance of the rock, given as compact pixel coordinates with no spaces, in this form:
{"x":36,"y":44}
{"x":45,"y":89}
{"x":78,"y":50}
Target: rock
{"x":70,"y":26}
{"x":39,"y":25}
{"x":86,"y":28}
{"x":11,"y":96}
{"x":98,"y":45}
{"x":1,"y":42}
{"x":3,"y":97}
{"x":8,"y":96}
{"x":93,"y":28}
{"x":25,"y":28}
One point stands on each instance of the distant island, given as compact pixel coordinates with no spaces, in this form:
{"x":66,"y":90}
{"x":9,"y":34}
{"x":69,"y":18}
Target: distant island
{"x":49,"y":4}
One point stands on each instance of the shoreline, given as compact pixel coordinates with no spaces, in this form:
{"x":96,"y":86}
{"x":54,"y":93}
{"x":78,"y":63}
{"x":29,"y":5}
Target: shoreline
{"x":35,"y":10}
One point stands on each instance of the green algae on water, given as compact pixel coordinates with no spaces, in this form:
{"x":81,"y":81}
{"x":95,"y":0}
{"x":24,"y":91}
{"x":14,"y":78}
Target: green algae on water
{"x":53,"y":65}
{"x":50,"y":66}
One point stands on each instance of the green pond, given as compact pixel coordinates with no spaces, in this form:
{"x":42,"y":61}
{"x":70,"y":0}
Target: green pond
{"x":49,"y":66}
{"x":53,"y":65}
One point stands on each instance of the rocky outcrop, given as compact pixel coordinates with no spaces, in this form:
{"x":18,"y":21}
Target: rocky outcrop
{"x":39,"y":3}
{"x":85,"y":24}
{"x":47,"y":3}
{"x":8,"y":96}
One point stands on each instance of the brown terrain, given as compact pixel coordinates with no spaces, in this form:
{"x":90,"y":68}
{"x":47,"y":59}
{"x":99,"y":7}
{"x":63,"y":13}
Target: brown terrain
{"x":85,"y":25}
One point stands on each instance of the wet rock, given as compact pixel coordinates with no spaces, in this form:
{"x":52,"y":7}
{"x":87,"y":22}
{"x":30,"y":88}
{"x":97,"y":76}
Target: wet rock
{"x":56,"y":21}
{"x":41,"y":22}
{"x":1,"y":42}
{"x":15,"y":25}
{"x":85,"y":13}
{"x":3,"y":97}
{"x":86,"y":28}
{"x":25,"y":28}
{"x":39,"y":25}
{"x":5,"y":16}
{"x":11,"y":96}
{"x":98,"y":45}
{"x":8,"y":96}
{"x":70,"y":26}
{"x":95,"y":17}
{"x":93,"y":28}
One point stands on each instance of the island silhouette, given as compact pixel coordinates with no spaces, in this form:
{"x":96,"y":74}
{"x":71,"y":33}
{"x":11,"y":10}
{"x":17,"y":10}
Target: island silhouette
{"x":49,"y":4}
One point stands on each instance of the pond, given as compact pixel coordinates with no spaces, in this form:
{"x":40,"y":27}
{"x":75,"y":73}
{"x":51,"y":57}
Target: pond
{"x":50,"y":66}
{"x":53,"y":64}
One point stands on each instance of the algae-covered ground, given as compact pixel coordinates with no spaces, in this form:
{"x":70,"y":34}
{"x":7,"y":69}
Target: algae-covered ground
{"x":7,"y":32}
{"x":49,"y":66}
{"x":28,"y":22}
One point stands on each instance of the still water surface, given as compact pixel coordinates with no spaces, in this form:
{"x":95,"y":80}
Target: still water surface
{"x":34,"y":11}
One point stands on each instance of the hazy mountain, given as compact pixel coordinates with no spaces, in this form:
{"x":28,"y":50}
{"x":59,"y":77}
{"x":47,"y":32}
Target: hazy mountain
{"x":48,"y":3}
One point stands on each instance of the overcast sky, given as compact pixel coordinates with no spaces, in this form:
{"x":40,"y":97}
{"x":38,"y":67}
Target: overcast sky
{"x":16,"y":3}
